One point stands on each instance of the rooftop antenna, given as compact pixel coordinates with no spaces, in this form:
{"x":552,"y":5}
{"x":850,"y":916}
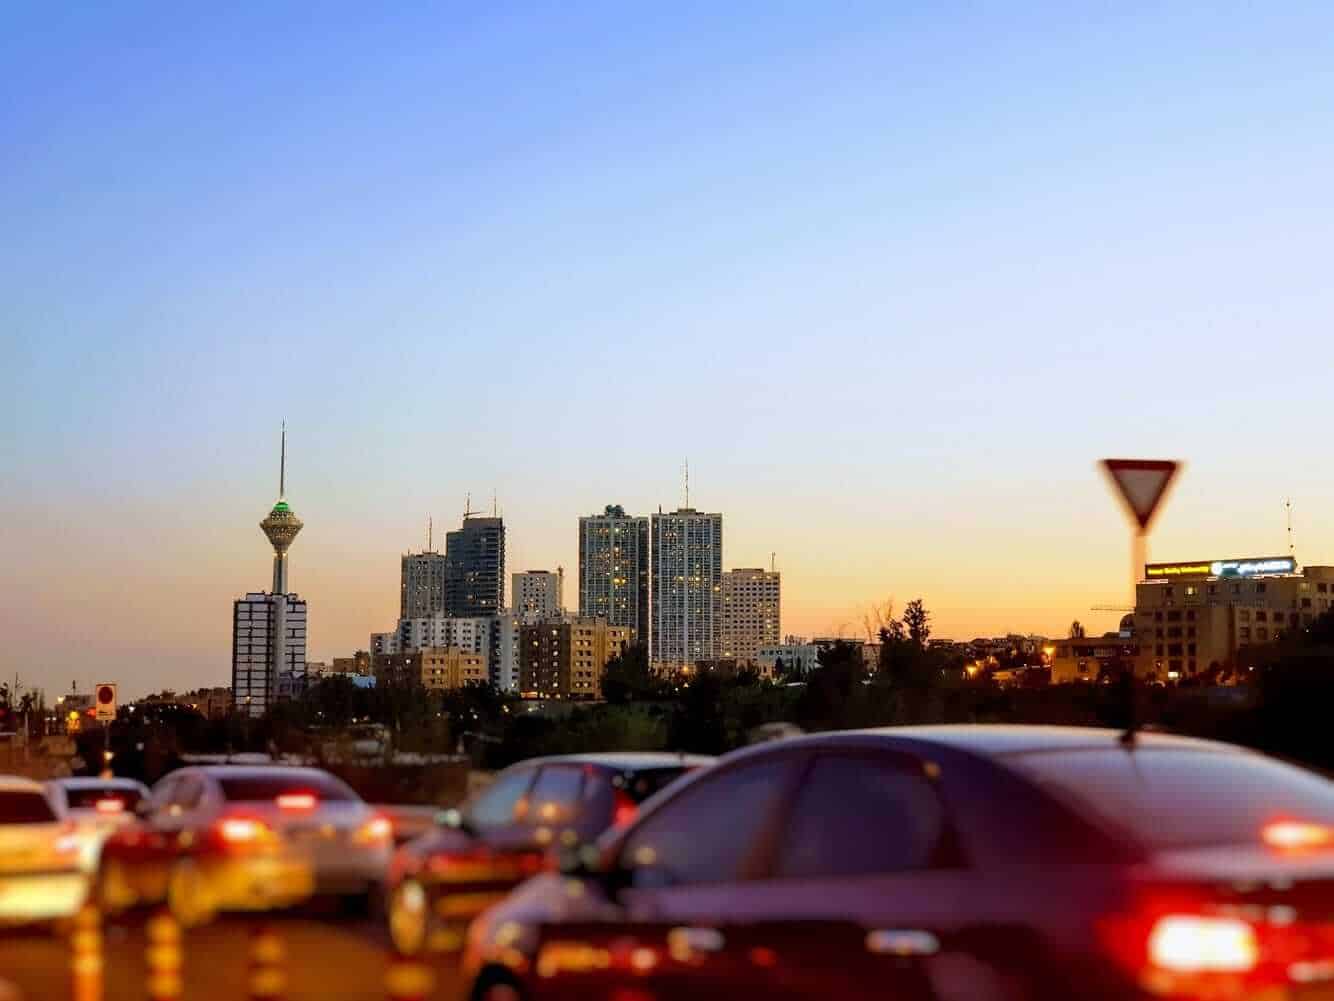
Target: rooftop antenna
{"x":1292,"y":546}
{"x":468,"y":512}
{"x":772,"y":564}
{"x":282,"y":465}
{"x":495,"y":509}
{"x":687,"y":484}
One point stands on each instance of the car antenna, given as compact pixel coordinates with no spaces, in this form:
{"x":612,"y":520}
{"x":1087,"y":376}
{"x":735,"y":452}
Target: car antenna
{"x":1132,"y":717}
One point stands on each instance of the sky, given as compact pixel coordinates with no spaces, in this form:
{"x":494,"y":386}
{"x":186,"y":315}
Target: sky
{"x":890,"y":276}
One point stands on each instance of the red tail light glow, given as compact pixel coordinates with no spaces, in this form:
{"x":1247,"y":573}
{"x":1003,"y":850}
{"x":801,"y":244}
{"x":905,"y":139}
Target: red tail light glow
{"x":242,"y":831}
{"x":376,"y":831}
{"x":110,"y":806}
{"x":1296,"y":835}
{"x":297,"y":801}
{"x":1188,"y":943}
{"x":624,"y":809}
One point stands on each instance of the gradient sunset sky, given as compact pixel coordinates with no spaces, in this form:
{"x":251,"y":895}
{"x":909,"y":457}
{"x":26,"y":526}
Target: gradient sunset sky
{"x":892,"y":277}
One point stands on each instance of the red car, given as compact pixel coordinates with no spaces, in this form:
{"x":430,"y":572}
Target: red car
{"x":950,"y":863}
{"x":440,"y":881}
{"x":236,"y":838}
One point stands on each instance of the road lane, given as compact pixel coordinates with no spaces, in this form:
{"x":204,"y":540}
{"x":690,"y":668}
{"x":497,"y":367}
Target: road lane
{"x":328,"y":959}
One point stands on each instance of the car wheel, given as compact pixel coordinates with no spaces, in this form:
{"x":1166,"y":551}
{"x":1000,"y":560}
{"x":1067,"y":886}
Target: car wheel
{"x":188,"y":896}
{"x":495,"y":986}
{"x":409,"y":917}
{"x":113,"y":891}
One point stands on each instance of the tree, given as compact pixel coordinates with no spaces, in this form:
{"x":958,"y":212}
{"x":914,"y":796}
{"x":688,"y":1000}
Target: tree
{"x":628,"y":677}
{"x":1076,"y":630}
{"x":917,"y":621}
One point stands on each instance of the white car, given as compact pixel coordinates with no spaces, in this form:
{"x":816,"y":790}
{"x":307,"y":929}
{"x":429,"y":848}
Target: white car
{"x":98,"y":807}
{"x":41,"y":876}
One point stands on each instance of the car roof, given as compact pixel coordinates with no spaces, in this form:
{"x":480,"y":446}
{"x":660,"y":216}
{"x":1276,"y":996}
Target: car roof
{"x":295,"y":772}
{"x":87,"y":782}
{"x":17,"y":783}
{"x":627,"y":760}
{"x":994,"y":740}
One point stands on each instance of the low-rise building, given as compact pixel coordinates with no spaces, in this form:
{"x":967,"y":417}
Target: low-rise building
{"x":795,"y":656}
{"x":433,"y":668}
{"x":1092,"y":657}
{"x":566,"y":659}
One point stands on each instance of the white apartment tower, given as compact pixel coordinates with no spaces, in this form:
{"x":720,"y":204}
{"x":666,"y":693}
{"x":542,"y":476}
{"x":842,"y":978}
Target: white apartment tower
{"x":751,"y":611}
{"x":687,"y":571}
{"x":537,"y":595}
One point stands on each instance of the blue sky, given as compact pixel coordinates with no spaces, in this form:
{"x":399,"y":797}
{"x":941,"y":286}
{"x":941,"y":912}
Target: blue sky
{"x":891,"y":276}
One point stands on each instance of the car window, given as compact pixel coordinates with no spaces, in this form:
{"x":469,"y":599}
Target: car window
{"x":164,"y":791}
{"x":711,"y":831}
{"x":499,"y":805}
{"x":1179,"y":798}
{"x":188,"y":792}
{"x":555,"y":795}
{"x":267,"y":788}
{"x":86,"y":798}
{"x":856,"y":815}
{"x":25,"y":808}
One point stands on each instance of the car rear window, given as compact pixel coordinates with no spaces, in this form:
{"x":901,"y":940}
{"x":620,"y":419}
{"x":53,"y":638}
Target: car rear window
{"x":87,"y":799}
{"x":264,"y":788}
{"x":25,"y":808}
{"x":1181,"y":798}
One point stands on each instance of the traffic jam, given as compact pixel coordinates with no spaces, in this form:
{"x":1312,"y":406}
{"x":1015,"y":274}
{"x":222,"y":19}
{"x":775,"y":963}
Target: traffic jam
{"x":959,"y":863}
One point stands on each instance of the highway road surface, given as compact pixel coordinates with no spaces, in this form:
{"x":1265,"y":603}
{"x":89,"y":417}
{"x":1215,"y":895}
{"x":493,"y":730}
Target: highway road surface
{"x":328,"y":958}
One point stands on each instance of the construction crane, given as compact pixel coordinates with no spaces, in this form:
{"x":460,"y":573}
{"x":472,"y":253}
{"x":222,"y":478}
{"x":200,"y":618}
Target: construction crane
{"x":1110,"y":608}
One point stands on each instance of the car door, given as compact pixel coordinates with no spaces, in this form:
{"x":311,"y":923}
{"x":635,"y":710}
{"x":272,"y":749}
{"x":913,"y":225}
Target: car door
{"x":675,"y":935}
{"x":865,"y":882}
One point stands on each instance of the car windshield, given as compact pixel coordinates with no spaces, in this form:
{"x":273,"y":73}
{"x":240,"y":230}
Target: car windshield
{"x":1183,"y":798}
{"x":89,"y":799}
{"x":25,"y":808}
{"x":266,"y":788}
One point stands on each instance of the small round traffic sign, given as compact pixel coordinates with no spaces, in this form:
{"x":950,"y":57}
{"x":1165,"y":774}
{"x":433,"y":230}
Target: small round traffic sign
{"x":106,"y":694}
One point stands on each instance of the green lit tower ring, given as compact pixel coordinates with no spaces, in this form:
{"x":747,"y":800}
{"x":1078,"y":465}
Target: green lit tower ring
{"x":282,"y":524}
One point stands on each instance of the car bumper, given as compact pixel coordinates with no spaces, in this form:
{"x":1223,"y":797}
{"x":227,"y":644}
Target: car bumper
{"x":41,"y":896}
{"x":351,"y":870}
{"x":257,"y":884}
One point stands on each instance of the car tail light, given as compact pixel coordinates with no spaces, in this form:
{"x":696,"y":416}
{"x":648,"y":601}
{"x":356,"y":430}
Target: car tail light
{"x":376,"y":831}
{"x":1189,"y":943}
{"x":623,"y":810}
{"x":242,"y":832}
{"x":110,"y":806}
{"x":1197,"y":949}
{"x":67,"y":842}
{"x":297,"y":801}
{"x":1297,"y":835}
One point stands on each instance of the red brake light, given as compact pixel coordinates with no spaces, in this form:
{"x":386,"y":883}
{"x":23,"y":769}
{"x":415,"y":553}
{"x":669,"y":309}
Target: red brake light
{"x":624,"y":809}
{"x":297,"y":801}
{"x":1190,"y":943}
{"x":241,"y":831}
{"x":110,"y":806}
{"x":1297,"y":835}
{"x":377,"y":830}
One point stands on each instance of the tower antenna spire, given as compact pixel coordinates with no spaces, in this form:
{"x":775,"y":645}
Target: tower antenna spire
{"x":1292,"y":546}
{"x":687,"y":483}
{"x":282,"y":465}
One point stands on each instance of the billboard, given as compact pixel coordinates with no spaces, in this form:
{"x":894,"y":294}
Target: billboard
{"x":1251,"y":567}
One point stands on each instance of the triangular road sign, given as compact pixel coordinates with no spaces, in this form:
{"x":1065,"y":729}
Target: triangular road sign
{"x":1142,"y":483}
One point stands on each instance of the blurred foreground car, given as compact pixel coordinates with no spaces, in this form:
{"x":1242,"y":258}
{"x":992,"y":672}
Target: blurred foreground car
{"x":443,"y":879}
{"x":237,"y":838}
{"x":40,"y":876}
{"x":97,"y":807}
{"x":953,"y":863}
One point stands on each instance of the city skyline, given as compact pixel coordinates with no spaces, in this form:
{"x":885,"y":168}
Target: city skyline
{"x":893,"y":281}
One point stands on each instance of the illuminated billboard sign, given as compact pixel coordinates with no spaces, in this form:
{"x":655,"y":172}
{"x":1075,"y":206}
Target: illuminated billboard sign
{"x":1222,"y":568}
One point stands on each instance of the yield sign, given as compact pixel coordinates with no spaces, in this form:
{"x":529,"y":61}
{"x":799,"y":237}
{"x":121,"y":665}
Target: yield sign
{"x":1142,"y":483}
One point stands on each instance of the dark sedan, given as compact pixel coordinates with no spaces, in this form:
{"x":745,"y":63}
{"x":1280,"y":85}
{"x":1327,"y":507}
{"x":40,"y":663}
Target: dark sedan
{"x":952,"y":863}
{"x":443,"y":879}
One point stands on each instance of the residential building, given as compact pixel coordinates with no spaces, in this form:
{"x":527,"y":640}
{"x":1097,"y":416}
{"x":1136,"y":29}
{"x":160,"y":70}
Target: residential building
{"x":268,"y":649}
{"x":751,"y":612}
{"x":475,"y":568}
{"x":686,"y":567}
{"x":422,"y":585}
{"x":537,"y":595}
{"x":440,"y":630}
{"x":1090,"y":658}
{"x":795,"y":656}
{"x":358,"y":665}
{"x":614,"y":569}
{"x":1190,"y":617}
{"x":433,"y":668}
{"x":505,"y":645}
{"x":269,"y":629}
{"x":566,"y":660}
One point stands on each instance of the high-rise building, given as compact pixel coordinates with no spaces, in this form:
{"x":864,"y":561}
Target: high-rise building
{"x":751,"y":606}
{"x":269,"y":629}
{"x":475,"y":568}
{"x":537,"y":595}
{"x":472,"y":634}
{"x":566,"y":660}
{"x":422,"y":585}
{"x":687,"y":571}
{"x":614,"y":570}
